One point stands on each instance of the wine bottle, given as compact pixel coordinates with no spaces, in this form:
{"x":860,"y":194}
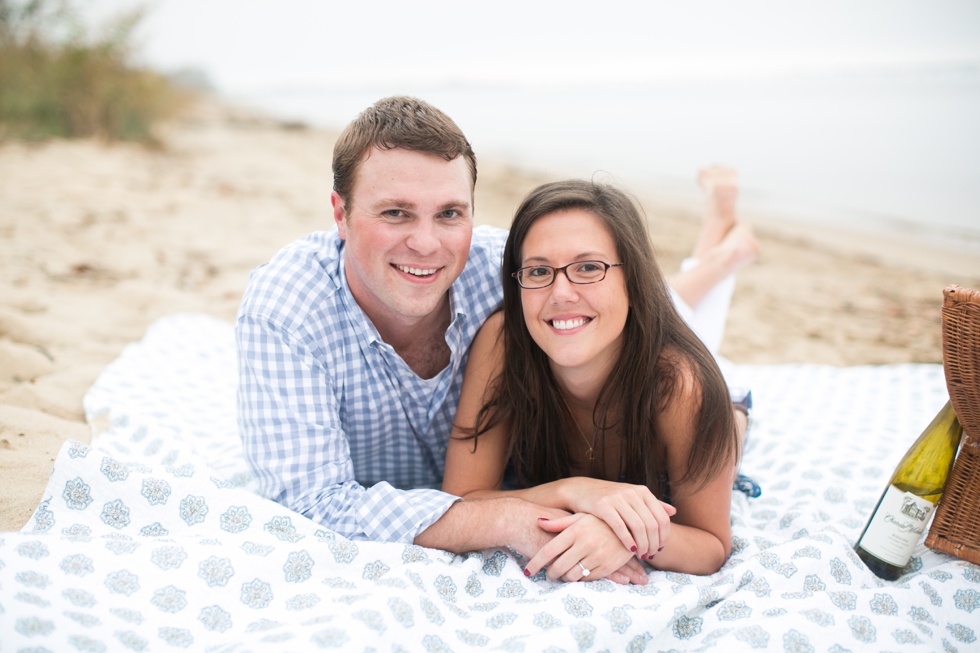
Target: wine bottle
{"x":898,"y":521}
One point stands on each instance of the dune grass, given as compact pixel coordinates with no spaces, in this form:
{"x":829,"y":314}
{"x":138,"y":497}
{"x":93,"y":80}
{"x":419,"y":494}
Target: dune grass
{"x":60,"y":79}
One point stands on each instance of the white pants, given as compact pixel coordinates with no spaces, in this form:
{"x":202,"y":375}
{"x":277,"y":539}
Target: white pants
{"x":708,"y":318}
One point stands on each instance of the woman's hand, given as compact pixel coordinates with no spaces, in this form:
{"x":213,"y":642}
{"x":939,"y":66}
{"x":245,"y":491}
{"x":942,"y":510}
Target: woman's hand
{"x":584,"y":548}
{"x":635,"y":515}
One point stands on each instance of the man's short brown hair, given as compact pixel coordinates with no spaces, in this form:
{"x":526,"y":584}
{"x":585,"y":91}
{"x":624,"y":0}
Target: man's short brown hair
{"x":399,"y":121}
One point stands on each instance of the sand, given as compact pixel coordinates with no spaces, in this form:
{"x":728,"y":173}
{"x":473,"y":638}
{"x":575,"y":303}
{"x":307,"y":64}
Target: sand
{"x":101,"y":240}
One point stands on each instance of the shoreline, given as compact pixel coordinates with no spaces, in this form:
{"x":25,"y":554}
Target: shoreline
{"x":911,"y":248}
{"x":886,"y":150}
{"x":105,"y":239}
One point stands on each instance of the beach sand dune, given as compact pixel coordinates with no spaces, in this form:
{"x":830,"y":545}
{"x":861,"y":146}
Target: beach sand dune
{"x":101,"y":240}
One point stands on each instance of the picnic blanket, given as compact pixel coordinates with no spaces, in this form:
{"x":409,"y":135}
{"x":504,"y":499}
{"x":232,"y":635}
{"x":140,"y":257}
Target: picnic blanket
{"x":152,"y":538}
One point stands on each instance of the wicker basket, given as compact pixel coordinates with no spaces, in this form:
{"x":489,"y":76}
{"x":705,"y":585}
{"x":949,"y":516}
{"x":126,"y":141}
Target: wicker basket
{"x":956,"y":526}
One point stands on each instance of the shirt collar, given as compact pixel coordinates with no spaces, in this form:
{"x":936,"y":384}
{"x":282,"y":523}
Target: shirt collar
{"x":359,"y":321}
{"x":364,"y":327}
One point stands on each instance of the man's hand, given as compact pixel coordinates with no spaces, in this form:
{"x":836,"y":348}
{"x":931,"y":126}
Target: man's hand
{"x":632,"y":573}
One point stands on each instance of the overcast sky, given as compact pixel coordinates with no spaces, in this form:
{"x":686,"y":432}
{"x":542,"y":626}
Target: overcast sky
{"x":242,"y":43}
{"x":912,"y":150}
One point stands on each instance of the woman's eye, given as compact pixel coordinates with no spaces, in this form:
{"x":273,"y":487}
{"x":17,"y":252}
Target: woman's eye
{"x":539,"y":272}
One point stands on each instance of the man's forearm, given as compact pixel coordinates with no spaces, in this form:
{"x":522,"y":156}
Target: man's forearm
{"x":475,"y":524}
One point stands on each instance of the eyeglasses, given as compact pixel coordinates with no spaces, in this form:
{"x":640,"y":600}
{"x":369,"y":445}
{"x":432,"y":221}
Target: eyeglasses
{"x":535,"y":277}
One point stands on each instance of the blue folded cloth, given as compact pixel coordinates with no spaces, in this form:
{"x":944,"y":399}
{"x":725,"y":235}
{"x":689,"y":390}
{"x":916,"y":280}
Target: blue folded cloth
{"x":742,"y":400}
{"x":746,"y":485}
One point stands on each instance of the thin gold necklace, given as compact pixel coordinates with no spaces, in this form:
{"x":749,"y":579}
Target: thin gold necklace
{"x":591,"y":446}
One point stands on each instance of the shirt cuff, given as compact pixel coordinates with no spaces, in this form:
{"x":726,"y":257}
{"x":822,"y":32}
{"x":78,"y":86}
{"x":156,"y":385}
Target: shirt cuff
{"x":392,"y":515}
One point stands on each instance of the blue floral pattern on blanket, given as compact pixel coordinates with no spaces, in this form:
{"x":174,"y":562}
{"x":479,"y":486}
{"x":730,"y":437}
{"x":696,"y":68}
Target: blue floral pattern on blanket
{"x":153,"y":539}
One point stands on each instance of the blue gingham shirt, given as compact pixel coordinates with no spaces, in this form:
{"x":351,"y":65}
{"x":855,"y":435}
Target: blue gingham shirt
{"x":334,"y":424}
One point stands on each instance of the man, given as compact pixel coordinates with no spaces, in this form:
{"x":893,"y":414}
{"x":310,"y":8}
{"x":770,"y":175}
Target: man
{"x":352,"y":343}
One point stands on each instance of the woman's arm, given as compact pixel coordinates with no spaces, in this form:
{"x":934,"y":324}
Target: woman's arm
{"x":634,"y":514}
{"x":475,"y":468}
{"x":478,"y":472}
{"x":701,"y":534}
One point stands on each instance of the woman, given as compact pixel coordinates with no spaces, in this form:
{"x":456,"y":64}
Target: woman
{"x":598,"y":395}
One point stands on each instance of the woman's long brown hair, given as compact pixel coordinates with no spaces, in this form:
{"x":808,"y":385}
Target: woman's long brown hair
{"x":526,"y":397}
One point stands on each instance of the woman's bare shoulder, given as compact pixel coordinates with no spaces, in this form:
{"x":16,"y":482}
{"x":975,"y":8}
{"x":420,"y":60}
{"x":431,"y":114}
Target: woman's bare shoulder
{"x":685,"y":384}
{"x":494,"y":323}
{"x":487,"y":351}
{"x":490,"y":334}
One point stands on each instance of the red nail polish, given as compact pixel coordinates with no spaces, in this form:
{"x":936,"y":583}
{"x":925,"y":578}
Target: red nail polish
{"x":543,"y":519}
{"x":527,"y":573}
{"x":633,"y":549}
{"x":660,"y":549}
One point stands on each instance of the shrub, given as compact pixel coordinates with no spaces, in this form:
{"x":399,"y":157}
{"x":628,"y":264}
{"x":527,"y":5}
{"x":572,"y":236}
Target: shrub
{"x":59,"y":80}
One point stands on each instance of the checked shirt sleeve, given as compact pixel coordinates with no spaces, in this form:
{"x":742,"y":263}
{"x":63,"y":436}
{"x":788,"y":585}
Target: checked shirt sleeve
{"x":293,"y":439}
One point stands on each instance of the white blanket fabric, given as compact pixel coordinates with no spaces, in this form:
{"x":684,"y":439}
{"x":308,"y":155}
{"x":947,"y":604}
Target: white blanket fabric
{"x":151,"y":538}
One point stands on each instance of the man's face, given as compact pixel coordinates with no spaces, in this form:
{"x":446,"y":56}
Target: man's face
{"x":407,"y":227}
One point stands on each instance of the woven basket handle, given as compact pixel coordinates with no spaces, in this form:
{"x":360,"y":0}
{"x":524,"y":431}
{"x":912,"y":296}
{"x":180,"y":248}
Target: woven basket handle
{"x":961,"y":357}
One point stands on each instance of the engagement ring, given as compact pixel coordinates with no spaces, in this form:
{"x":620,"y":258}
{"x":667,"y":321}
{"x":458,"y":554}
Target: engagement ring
{"x":585,"y":572}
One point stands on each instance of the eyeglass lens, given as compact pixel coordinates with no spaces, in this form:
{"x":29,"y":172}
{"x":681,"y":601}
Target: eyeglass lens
{"x":539,"y":276}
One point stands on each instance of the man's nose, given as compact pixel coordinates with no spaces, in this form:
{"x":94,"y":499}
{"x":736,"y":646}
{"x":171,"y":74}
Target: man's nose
{"x":423,"y":238}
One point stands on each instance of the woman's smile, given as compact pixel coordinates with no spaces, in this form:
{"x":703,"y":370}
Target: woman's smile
{"x":578,"y":325}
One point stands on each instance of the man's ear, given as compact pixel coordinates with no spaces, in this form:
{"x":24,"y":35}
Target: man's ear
{"x":339,"y":213}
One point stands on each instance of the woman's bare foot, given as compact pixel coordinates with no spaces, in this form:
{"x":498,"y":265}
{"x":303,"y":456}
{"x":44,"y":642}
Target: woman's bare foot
{"x":739,"y":247}
{"x":720,"y":184}
{"x":724,"y":243}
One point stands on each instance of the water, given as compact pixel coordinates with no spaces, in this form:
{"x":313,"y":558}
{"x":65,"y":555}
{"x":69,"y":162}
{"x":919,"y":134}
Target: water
{"x":895,"y":150}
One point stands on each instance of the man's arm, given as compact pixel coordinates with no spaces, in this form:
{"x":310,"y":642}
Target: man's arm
{"x":289,"y":419}
{"x":490,"y":523}
{"x":296,"y":446}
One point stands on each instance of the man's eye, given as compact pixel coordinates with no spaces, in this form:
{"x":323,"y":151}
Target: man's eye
{"x":450,"y":213}
{"x":393,"y":213}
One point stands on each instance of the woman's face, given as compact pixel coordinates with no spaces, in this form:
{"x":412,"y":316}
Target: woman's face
{"x":579,"y":326}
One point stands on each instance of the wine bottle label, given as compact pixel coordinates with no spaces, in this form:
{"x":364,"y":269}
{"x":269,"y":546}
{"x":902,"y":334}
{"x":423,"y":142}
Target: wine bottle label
{"x":896,"y":526}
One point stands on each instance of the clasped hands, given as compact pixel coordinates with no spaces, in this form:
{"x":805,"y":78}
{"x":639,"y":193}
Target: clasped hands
{"x":611,"y":529}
